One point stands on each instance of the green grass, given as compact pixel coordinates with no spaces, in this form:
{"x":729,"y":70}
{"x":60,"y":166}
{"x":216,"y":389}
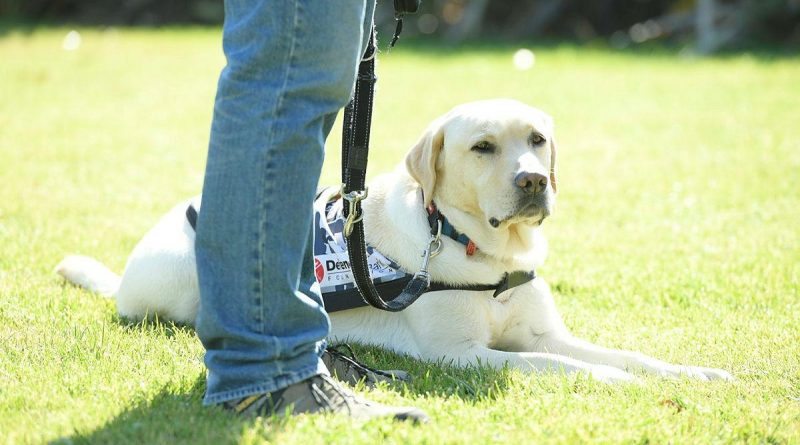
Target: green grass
{"x":677,"y":234}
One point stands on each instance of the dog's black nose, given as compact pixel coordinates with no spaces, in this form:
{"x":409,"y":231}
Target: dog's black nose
{"x":531,"y":183}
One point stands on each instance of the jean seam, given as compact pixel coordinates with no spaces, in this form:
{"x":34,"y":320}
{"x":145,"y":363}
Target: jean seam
{"x":266,"y":185}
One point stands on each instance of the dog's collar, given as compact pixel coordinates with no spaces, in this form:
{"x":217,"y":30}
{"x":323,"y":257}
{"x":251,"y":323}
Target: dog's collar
{"x":435,"y":216}
{"x":509,"y":280}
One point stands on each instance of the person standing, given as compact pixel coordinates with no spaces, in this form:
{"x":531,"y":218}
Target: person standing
{"x":291,"y":66}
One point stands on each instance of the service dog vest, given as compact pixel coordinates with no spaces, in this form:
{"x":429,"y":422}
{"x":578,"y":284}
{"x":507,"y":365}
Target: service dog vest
{"x":332,"y":263}
{"x":331,"y":260}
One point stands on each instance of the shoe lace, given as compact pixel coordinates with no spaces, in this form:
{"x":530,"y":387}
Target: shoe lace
{"x":322,"y":397}
{"x":352,"y":362}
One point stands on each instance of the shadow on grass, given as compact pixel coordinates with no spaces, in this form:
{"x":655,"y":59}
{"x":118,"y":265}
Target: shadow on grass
{"x":428,"y":378}
{"x":439,"y":379}
{"x":169,"y":417}
{"x":175,"y":415}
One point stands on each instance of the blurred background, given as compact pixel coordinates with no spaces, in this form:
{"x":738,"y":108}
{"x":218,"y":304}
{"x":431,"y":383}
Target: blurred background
{"x":675,"y":232}
{"x":706,"y":26}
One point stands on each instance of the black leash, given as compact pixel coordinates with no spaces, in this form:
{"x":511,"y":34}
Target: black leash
{"x":401,"y":8}
{"x":355,"y":147}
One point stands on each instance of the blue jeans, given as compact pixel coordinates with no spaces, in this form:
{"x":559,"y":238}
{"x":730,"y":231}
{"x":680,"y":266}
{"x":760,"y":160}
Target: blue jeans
{"x":291,"y":66}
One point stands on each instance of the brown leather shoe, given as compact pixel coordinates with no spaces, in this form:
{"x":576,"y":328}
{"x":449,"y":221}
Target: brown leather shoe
{"x":319,"y":394}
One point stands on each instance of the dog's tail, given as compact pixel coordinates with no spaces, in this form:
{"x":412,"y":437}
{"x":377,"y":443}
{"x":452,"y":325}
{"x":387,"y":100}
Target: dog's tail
{"x":90,"y":274}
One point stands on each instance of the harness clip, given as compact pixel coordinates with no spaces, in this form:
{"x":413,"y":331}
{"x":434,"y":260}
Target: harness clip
{"x":433,"y":249}
{"x":435,"y":243}
{"x":353,"y":198}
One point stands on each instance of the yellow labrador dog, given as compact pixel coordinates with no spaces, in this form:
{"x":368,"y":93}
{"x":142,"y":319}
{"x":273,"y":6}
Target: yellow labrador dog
{"x":489,"y":167}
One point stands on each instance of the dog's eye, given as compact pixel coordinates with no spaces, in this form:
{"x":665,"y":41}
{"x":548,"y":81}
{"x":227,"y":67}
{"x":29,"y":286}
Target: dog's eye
{"x":483,"y":147}
{"x":537,"y":139}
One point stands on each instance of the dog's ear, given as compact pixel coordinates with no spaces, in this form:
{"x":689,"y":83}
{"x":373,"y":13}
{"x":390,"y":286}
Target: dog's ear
{"x":421,"y":160}
{"x":553,"y":149}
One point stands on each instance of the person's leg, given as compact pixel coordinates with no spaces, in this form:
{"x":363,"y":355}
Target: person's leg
{"x":291,"y":67}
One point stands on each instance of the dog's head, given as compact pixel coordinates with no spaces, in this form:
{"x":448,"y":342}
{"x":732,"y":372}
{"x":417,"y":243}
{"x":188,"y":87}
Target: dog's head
{"x":492,"y":160}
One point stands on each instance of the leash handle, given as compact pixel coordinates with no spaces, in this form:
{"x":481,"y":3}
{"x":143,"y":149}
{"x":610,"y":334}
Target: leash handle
{"x":355,"y":149}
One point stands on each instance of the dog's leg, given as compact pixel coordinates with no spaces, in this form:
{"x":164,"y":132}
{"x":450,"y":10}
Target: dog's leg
{"x":476,"y":354}
{"x":466,"y":336}
{"x":536,"y":319}
{"x":566,"y":344}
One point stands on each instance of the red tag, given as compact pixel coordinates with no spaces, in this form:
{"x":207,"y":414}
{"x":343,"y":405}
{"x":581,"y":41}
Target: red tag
{"x":471,"y":248}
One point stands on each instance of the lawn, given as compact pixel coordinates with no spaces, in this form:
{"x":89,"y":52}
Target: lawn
{"x":677,"y":233}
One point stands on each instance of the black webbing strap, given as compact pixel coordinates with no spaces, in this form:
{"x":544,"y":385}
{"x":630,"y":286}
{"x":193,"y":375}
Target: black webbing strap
{"x":513,"y":279}
{"x":351,"y":298}
{"x":191,"y":216}
{"x":355,"y":146}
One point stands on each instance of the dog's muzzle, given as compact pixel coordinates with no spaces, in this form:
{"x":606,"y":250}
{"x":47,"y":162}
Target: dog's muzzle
{"x":531,"y":209}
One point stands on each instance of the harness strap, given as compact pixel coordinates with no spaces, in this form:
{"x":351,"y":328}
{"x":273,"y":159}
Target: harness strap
{"x":191,"y":216}
{"x":351,"y":298}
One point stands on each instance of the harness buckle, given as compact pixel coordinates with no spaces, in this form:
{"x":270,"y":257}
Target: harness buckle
{"x":353,"y":198}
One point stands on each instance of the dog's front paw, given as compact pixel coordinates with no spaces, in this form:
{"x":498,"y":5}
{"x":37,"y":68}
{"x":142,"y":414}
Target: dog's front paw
{"x":609,"y":374}
{"x":699,"y":373}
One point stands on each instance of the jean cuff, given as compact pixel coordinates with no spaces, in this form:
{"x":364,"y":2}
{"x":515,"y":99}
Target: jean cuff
{"x":267,"y":386}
